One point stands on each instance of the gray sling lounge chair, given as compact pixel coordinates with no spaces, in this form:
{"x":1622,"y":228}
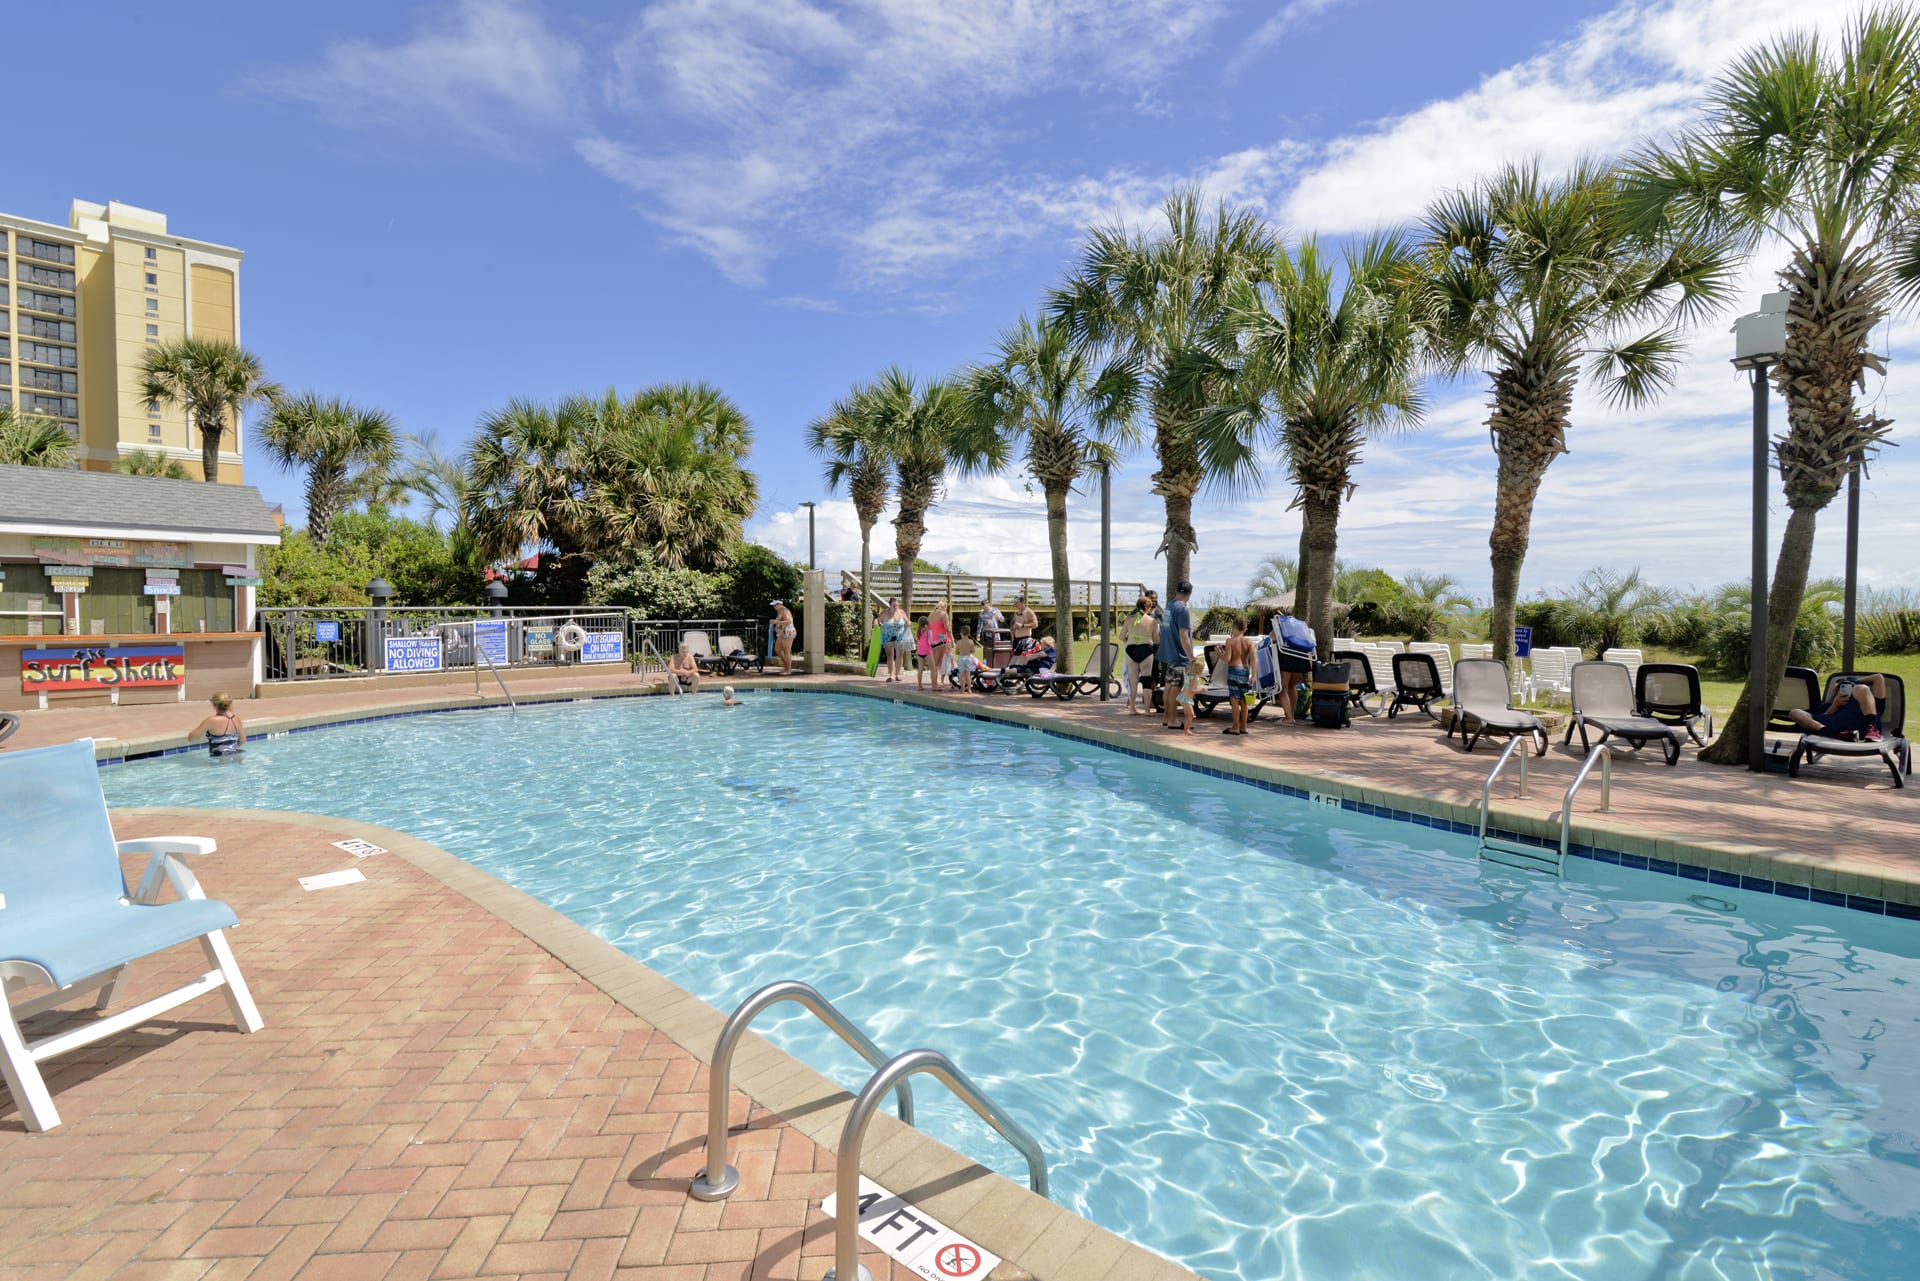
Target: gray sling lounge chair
{"x":1799,"y":691}
{"x":1603,"y":699}
{"x":1480,"y":694}
{"x":1892,"y":748}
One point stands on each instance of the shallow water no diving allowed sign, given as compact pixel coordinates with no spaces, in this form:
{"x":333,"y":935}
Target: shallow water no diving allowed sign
{"x":915,"y":1238}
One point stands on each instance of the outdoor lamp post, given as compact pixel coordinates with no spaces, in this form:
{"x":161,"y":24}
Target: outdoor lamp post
{"x":497,"y":596}
{"x":1758,"y":340}
{"x":379,"y":591}
{"x":1106,"y":572}
{"x":810,"y":506}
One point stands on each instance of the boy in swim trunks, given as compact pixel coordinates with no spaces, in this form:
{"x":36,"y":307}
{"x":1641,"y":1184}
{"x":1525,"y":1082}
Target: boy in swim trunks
{"x":1854,"y":712}
{"x":1238,"y":656}
{"x":964,"y":662}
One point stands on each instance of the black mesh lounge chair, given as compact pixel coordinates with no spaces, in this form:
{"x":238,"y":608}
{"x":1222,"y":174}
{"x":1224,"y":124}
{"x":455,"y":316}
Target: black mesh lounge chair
{"x":1799,"y":691}
{"x":1892,"y":748}
{"x":1603,"y":699}
{"x":1360,"y":684}
{"x":1670,"y":694}
{"x":1097,"y":668}
{"x":1480,"y":693}
{"x":1416,"y":683}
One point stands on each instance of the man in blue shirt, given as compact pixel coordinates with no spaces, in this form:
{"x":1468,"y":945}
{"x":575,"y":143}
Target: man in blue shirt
{"x":1176,"y":651}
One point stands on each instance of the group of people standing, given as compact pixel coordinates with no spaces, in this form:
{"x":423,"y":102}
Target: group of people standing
{"x":939,"y":652}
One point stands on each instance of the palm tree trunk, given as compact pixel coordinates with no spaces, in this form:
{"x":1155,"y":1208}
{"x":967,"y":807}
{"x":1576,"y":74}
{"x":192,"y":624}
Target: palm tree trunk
{"x":1062,"y":583}
{"x":1783,"y":613}
{"x":1515,"y":490}
{"x":326,"y":496}
{"x":1177,"y":480}
{"x":1321,"y":530}
{"x":866,"y":583}
{"x":1300,"y":574}
{"x":211,"y":429}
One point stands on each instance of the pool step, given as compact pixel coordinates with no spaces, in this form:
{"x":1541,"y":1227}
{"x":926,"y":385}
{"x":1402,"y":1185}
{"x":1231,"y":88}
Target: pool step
{"x":1520,"y":855}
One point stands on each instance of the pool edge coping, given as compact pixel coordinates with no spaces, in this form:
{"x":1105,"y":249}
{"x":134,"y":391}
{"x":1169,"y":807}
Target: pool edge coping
{"x":1782,"y":873}
{"x":1024,"y":1228}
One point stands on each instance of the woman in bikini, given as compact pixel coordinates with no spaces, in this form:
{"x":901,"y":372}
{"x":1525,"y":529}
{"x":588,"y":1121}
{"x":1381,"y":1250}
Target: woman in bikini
{"x":783,"y":636}
{"x":896,"y":633}
{"x":1143,"y":640}
{"x":225,"y":734}
{"x":938,"y":639}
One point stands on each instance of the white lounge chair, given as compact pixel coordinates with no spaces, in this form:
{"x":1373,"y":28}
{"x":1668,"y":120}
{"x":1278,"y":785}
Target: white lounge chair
{"x":1627,"y":658}
{"x":1549,"y":677}
{"x":1480,"y":706}
{"x":1442,"y":660}
{"x":1603,"y":700}
{"x":1476,"y":649}
{"x":70,"y":922}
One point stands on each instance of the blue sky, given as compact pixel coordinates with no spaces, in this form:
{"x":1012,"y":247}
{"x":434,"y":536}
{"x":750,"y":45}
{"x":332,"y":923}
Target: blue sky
{"x":449,"y":203}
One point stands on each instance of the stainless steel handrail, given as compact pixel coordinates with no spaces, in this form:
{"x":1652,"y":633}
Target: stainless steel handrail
{"x":720,"y":1074}
{"x":646,"y":643}
{"x":1486,"y":788}
{"x":497,"y":678}
{"x":1603,"y":752}
{"x":846,"y":1173}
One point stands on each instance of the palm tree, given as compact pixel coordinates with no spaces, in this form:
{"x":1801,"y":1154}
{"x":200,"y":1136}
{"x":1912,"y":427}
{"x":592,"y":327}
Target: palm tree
{"x":349,"y":453}
{"x":439,"y":479}
{"x":665,"y":475}
{"x":1329,"y":354}
{"x":1043,"y":388}
{"x":1274,"y":576}
{"x":527,"y":471}
{"x":848,"y":438}
{"x":1152,"y":300}
{"x":30,"y":441}
{"x":1609,"y":608}
{"x":927,"y":430}
{"x":213,"y":381}
{"x":151,"y":462}
{"x":1818,"y":147}
{"x":1528,"y":278}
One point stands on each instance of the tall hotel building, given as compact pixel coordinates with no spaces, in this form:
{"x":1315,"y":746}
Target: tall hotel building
{"x":81,"y":305}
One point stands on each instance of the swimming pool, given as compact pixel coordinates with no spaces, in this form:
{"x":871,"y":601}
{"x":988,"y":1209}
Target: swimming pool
{"x":1264,"y":1040}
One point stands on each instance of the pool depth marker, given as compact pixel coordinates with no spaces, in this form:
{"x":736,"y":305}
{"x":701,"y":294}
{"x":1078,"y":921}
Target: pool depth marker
{"x":915,"y":1238}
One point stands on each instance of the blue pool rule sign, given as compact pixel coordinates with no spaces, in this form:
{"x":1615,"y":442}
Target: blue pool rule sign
{"x":329,"y":632}
{"x":413,"y":653}
{"x":491,"y":640}
{"x":1522,"y":641}
{"x":602,"y":647}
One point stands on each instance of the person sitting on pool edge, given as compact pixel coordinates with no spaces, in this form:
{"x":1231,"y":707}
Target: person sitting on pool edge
{"x":1853,"y":713}
{"x":683,"y":670}
{"x":225,"y":734}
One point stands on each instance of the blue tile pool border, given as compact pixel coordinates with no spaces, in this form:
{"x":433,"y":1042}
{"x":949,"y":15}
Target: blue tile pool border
{"x":1594,"y":853}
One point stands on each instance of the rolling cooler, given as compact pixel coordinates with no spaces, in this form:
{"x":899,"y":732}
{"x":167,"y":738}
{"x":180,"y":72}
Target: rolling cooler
{"x":1330,"y":696}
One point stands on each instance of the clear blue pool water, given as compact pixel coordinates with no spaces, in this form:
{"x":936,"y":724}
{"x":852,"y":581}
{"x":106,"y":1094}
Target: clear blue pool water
{"x":1266,"y":1041}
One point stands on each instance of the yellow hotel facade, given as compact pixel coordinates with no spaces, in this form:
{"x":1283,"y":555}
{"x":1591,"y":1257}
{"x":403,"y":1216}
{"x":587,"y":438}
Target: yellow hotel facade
{"x":81,"y":305}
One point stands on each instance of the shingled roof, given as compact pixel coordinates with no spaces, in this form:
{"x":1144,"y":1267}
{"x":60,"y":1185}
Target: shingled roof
{"x":38,"y":498}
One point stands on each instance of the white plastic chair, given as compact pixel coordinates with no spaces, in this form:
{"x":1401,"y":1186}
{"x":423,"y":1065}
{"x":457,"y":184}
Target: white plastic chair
{"x":1550,"y":676}
{"x":1627,"y":658}
{"x":1476,"y":649}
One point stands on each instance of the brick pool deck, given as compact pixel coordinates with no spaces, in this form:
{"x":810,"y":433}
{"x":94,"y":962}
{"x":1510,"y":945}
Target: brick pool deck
{"x":456,"y":1081}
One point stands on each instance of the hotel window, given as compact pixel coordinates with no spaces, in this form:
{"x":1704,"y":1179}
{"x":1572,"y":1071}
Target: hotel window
{"x":57,"y":304}
{"x":44,"y":250}
{"x":52,"y":406}
{"x":3,"y":259}
{"x":6,"y":371}
{"x":152,"y":253}
{"x":153,"y":278}
{"x":153,"y":304}
{"x":6,"y":349}
{"x":51,"y":277}
{"x":153,"y":431}
{"x":48,"y":380}
{"x":41,"y":353}
{"x":153,"y":331}
{"x":6,"y":398}
{"x":61,"y":329}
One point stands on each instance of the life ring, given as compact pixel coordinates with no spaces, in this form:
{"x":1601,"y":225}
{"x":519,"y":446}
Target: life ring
{"x":572,"y":637}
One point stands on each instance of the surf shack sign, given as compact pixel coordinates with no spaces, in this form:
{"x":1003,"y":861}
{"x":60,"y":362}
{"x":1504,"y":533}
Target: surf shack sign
{"x":122,"y":552}
{"x":110,"y":667}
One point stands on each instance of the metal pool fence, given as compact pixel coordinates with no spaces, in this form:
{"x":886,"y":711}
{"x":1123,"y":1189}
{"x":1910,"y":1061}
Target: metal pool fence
{"x":313,"y":643}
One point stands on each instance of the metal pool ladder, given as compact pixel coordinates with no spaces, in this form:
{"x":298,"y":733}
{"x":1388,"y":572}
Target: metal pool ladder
{"x":1525,"y":855}
{"x":891,"y":1078}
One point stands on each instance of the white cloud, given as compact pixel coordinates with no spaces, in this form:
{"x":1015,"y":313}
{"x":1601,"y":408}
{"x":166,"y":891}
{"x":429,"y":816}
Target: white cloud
{"x":482,"y":69}
{"x":1292,"y":14}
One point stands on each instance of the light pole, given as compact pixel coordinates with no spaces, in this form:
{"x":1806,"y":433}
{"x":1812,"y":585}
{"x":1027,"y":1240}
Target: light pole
{"x":810,"y":506}
{"x":1758,"y":340}
{"x":1106,"y":574}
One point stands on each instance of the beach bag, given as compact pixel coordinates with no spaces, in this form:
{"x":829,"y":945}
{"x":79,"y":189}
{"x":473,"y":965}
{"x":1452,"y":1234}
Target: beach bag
{"x":1330,"y":695}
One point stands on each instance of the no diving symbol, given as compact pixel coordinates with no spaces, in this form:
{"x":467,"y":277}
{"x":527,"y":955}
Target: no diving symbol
{"x":957,"y":1259}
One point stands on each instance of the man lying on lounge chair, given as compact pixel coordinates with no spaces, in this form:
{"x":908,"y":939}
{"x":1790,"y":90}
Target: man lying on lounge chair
{"x":1853,"y":714}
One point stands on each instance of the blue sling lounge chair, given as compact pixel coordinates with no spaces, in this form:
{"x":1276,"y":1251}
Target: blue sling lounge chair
{"x":68,"y":920}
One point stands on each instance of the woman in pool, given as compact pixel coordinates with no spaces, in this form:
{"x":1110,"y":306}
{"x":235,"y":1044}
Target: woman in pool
{"x":896,"y":633}
{"x":225,"y":734}
{"x":1143,"y":640}
{"x":938,"y":642}
{"x":783,"y":636}
{"x":683,"y":671}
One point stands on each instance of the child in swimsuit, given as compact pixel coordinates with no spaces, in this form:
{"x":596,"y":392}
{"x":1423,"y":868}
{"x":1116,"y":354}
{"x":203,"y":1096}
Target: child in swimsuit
{"x":1238,"y":657}
{"x":964,"y":662}
{"x":1195,"y":682}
